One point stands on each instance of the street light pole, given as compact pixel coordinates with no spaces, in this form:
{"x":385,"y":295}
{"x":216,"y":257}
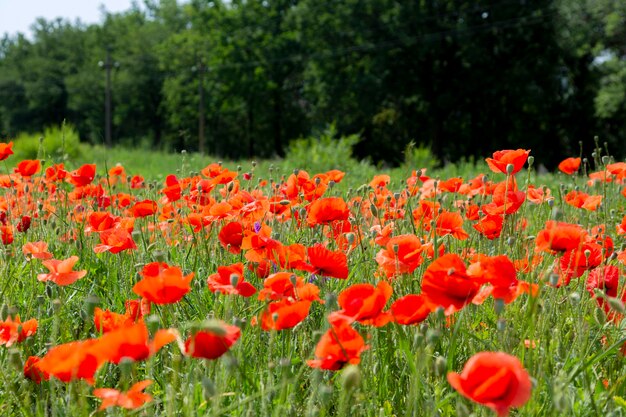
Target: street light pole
{"x":107,"y":65}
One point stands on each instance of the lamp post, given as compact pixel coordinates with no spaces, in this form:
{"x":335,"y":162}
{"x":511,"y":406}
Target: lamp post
{"x":108,"y":65}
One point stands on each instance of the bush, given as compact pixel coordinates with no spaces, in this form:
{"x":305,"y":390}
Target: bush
{"x":419,"y":157}
{"x":322,"y":153}
{"x":57,"y":143}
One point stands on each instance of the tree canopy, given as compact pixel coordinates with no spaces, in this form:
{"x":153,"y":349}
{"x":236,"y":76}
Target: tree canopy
{"x":463,"y":77}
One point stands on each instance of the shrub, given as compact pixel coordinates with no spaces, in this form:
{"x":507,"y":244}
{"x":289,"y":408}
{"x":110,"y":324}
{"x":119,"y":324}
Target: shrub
{"x":56,"y":143}
{"x":322,"y":153}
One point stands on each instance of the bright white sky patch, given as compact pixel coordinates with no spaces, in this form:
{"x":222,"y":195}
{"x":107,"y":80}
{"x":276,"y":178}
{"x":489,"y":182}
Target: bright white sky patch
{"x":19,"y":15}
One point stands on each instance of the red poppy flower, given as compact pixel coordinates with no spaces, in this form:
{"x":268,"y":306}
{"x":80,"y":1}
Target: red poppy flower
{"x":450,"y":223}
{"x":173,"y":189}
{"x":326,"y":210}
{"x":328,"y":263}
{"x":284,"y":314}
{"x":130,"y":400}
{"x":28,"y":168}
{"x":144,"y":208}
{"x":569,"y":165}
{"x":494,"y":379}
{"x":6,"y":234}
{"x":61,"y":272}
{"x":115,"y":240}
{"x":230,"y":280}
{"x":83,"y":175}
{"x":490,"y":226}
{"x":212,"y":342}
{"x":340,"y":345}
{"x":6,"y":150}
{"x":501,"y":159}
{"x":131,"y":342}
{"x":37,"y":250}
{"x":402,"y":254}
{"x":411,"y":309}
{"x":231,"y":237}
{"x":32,"y":372}
{"x":285,"y":285}
{"x":74,"y":360}
{"x":446,"y":283}
{"x":365,"y":303}
{"x":606,"y":279}
{"x":559,"y":237}
{"x":163,"y":284}
{"x":12,"y":331}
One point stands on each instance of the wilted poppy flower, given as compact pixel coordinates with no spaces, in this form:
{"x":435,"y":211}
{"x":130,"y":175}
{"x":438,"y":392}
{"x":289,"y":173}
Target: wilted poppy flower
{"x":494,"y":379}
{"x":230,"y":280}
{"x":515,"y":158}
{"x":131,"y":399}
{"x":569,"y":165}
{"x":213,"y":341}
{"x":163,"y":284}
{"x":340,"y":345}
{"x":6,"y":150}
{"x":447,"y":284}
{"x":61,"y":272}
{"x":12,"y":331}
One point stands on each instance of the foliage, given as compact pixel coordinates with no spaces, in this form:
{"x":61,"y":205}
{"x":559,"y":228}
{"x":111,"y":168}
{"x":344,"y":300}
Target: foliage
{"x":461,"y":77}
{"x":57,"y":143}
{"x":323,"y":152}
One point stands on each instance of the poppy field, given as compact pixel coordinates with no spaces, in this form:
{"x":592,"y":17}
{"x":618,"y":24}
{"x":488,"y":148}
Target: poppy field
{"x":230,"y":292}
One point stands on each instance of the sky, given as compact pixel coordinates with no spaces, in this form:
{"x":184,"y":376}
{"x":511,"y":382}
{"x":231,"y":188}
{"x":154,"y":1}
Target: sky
{"x":19,"y":15}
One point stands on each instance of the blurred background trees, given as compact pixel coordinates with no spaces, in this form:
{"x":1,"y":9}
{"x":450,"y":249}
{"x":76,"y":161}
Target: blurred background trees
{"x":462,"y":77}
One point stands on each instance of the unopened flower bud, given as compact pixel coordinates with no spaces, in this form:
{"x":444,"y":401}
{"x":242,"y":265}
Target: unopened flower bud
{"x":350,"y":377}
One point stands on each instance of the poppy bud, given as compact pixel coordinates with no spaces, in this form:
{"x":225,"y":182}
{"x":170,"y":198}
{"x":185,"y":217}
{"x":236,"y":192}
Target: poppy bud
{"x":531,"y":161}
{"x":350,"y":238}
{"x":152,"y":323}
{"x":441,"y":365}
{"x":209,"y":389}
{"x":574,"y":298}
{"x":91,"y":302}
{"x":234,"y":279}
{"x":56,"y":305}
{"x":498,"y":305}
{"x":159,"y":256}
{"x":606,"y":159}
{"x":616,"y":304}
{"x":15,"y":358}
{"x":501,"y":324}
{"x":351,"y":377}
{"x":510,"y":168}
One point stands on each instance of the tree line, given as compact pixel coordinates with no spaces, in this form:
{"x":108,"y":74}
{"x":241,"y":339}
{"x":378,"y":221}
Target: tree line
{"x":463,"y":77}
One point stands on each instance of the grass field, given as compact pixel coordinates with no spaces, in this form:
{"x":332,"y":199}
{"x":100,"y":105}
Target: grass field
{"x":262,"y":291}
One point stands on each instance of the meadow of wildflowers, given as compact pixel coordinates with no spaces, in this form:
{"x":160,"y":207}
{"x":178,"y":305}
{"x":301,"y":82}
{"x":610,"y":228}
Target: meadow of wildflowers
{"x":222,"y":293}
